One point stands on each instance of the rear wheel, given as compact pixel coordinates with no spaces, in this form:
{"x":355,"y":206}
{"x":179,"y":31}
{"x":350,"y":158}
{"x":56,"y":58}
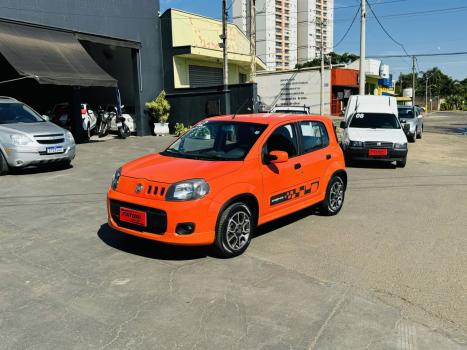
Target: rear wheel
{"x":4,"y":168}
{"x":413,"y":138}
{"x":234,"y":230}
{"x":401,"y":163}
{"x":335,"y":195}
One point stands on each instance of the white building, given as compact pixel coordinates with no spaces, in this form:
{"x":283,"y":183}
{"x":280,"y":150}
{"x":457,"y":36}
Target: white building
{"x":315,"y":27}
{"x":287,"y":31}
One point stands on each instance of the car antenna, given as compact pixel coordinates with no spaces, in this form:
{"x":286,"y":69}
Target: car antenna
{"x":241,"y":106}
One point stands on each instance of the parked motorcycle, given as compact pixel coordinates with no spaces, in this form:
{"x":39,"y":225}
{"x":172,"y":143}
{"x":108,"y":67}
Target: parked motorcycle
{"x":104,"y":121}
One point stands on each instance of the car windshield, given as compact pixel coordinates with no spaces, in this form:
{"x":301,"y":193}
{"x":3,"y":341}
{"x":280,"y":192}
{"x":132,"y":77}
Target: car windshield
{"x":374,"y":121}
{"x":217,"y":140}
{"x":12,"y":113}
{"x":405,"y":112}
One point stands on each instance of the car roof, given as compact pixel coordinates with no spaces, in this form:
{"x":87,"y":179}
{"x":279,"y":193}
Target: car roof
{"x":268,"y":118}
{"x":6,"y":99}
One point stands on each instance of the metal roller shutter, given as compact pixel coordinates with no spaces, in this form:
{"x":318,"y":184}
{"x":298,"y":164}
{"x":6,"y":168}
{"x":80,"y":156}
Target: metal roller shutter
{"x":204,"y":76}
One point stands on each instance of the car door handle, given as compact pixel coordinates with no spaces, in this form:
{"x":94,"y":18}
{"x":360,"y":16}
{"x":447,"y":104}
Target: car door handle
{"x":328,"y":156}
{"x":297,"y":166}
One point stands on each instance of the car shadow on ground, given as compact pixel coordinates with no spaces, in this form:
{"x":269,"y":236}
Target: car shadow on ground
{"x":149,"y":249}
{"x":39,"y":169}
{"x":371,"y":164}
{"x":160,"y":251}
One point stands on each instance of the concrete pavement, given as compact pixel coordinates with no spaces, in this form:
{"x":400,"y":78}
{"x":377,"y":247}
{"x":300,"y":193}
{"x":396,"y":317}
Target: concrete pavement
{"x":389,"y":272}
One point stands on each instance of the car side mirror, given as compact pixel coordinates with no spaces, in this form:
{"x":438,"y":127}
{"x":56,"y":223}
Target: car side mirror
{"x":46,"y":118}
{"x":278,"y":157}
{"x":343,"y":124}
{"x":406,"y":127}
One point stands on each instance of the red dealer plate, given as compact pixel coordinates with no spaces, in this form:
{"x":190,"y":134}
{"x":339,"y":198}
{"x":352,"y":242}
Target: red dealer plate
{"x":378,"y":152}
{"x":133,"y":216}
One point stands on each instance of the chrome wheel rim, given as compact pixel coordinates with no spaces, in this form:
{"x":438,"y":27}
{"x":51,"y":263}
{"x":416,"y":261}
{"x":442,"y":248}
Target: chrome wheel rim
{"x":336,"y":195}
{"x":238,"y":230}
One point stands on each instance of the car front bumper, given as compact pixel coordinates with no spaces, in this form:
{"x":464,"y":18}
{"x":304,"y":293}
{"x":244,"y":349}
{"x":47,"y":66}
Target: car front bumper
{"x":163,"y":217}
{"x":24,"y":156}
{"x":362,"y":153}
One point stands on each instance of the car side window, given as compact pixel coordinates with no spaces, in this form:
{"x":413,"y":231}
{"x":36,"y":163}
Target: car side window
{"x":314,"y":136}
{"x":284,"y":138}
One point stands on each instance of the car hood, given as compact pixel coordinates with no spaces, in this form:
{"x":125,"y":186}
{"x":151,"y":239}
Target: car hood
{"x":384,"y":135}
{"x":32,"y":128}
{"x":156,"y":167}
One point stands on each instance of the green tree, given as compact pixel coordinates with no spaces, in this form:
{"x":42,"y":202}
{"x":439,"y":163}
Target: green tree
{"x":335,"y":58}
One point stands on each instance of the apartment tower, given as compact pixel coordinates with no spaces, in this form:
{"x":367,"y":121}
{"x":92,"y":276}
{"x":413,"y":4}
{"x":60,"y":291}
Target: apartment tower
{"x":287,"y":31}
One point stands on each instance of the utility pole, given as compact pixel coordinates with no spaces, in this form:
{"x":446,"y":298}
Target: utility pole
{"x":413,"y":80}
{"x":225,"y":90}
{"x":252,"y":41}
{"x":426,"y":91}
{"x":362,"y":48}
{"x":321,"y":99}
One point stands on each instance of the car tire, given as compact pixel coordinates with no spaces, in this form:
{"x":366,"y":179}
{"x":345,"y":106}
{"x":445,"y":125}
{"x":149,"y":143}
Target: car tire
{"x":413,"y":138}
{"x":401,"y":163}
{"x":4,"y":168}
{"x":335,"y":195}
{"x":234,"y":230}
{"x":419,"y":135}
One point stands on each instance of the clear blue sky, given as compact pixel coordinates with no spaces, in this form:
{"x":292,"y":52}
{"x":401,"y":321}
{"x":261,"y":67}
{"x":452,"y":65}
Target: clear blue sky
{"x":442,"y":30}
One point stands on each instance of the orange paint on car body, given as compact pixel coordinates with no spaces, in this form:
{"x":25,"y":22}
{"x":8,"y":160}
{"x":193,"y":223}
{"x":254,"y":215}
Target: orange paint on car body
{"x":271,"y":188}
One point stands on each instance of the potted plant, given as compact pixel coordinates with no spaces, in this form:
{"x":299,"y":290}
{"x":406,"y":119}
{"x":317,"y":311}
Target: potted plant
{"x":159,"y":110}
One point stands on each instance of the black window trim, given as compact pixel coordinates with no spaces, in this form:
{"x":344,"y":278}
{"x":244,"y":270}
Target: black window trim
{"x":301,"y":146}
{"x":298,"y":139}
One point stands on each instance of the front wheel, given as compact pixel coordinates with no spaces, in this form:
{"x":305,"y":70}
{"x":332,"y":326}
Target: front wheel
{"x":234,"y":230}
{"x":124,"y":131}
{"x":3,"y":165}
{"x":335,"y":195}
{"x":413,"y":138}
{"x":401,"y":163}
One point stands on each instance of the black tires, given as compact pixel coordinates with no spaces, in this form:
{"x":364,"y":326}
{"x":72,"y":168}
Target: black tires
{"x":234,"y":230}
{"x":412,"y":138}
{"x":335,"y":195}
{"x":124,"y":131}
{"x":3,"y":165}
{"x":419,"y":135}
{"x":88,"y":132}
{"x":401,"y":163}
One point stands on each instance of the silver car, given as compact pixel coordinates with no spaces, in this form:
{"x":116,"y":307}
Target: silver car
{"x":28,"y":139}
{"x":413,"y":117}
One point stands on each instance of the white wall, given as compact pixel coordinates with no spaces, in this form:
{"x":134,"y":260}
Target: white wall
{"x":296,"y":87}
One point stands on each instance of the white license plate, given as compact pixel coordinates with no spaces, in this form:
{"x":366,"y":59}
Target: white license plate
{"x":119,"y":125}
{"x":55,"y":149}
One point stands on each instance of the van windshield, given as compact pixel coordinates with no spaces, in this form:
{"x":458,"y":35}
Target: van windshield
{"x":374,"y":121}
{"x":217,"y":140}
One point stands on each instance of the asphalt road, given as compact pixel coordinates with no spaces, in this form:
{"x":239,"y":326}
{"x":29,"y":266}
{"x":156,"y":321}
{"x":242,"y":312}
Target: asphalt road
{"x":389,"y":272}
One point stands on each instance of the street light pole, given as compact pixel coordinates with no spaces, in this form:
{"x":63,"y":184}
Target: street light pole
{"x":426,"y":91}
{"x":225,"y":70}
{"x":321,"y":105}
{"x":413,"y":81}
{"x":253,"y":41}
{"x":362,"y":48}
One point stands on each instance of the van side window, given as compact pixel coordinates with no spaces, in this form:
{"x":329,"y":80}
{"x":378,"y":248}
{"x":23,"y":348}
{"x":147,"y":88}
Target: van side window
{"x":284,"y":138}
{"x":314,"y":136}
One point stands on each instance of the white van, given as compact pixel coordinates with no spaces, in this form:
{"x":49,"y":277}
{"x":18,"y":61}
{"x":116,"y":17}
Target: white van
{"x":372,"y":130}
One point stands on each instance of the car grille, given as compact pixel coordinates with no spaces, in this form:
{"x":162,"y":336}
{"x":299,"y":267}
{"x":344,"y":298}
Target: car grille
{"x":155,"y":190}
{"x":49,"y":139}
{"x":156,"y":218}
{"x":377,"y":144}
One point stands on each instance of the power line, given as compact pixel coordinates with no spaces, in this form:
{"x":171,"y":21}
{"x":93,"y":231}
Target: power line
{"x":422,"y":54}
{"x":348,"y":29}
{"x":384,"y":29}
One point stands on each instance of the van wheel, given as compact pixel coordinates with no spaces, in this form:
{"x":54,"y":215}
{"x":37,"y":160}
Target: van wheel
{"x":335,"y":195}
{"x":3,"y":165}
{"x":401,"y":163}
{"x":234,"y":230}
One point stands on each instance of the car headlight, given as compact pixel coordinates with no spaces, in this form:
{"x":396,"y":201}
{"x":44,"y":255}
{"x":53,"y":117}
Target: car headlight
{"x":187,"y":190}
{"x":400,"y":145}
{"x":356,"y":144}
{"x":69,"y":136}
{"x":20,"y":140}
{"x":116,"y":178}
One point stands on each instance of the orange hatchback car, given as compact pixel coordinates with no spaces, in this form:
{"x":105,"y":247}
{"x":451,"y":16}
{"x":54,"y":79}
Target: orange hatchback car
{"x":227,"y":175}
